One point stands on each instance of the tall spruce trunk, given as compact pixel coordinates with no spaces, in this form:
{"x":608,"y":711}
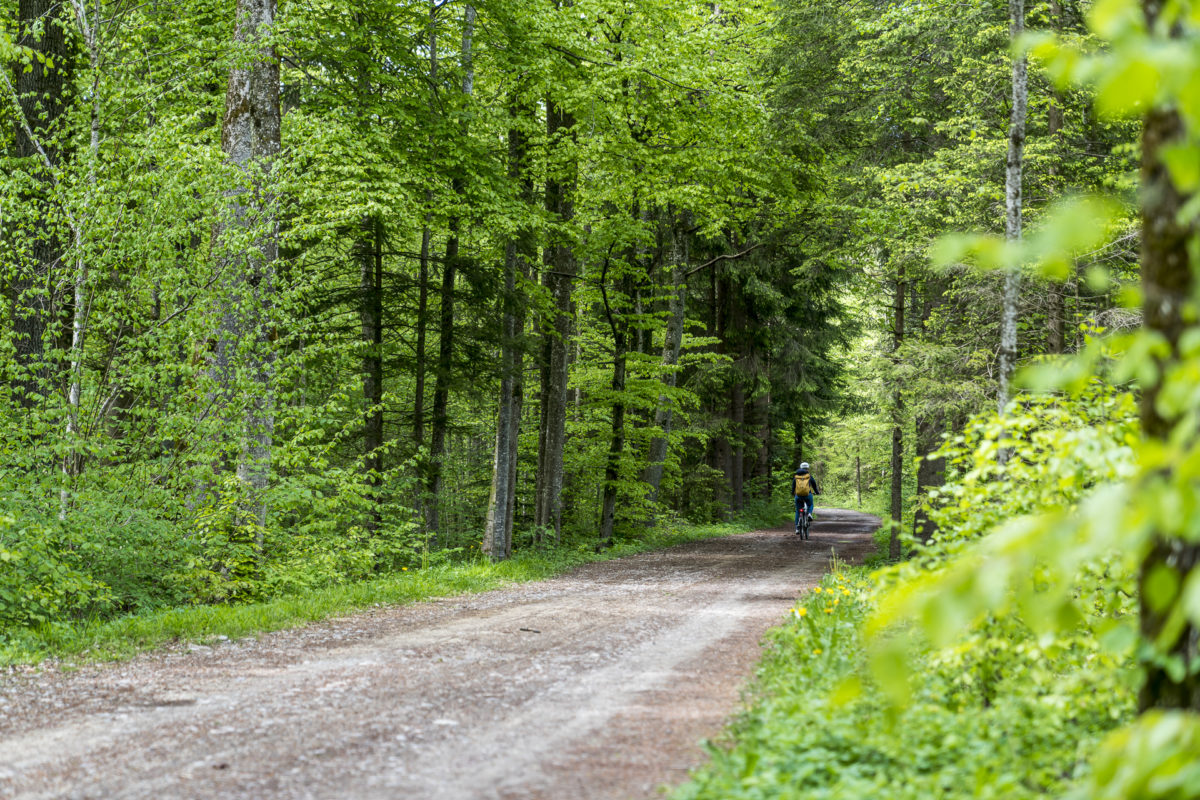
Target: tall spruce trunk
{"x":369,"y":254}
{"x":1168,"y":287}
{"x":560,"y":268}
{"x":445,"y":362}
{"x":518,"y":255}
{"x":250,"y":137}
{"x":762,"y":466}
{"x":42,"y":92}
{"x":672,"y":346}
{"x":1012,"y":203}
{"x":737,"y":455}
{"x":897,"y":464}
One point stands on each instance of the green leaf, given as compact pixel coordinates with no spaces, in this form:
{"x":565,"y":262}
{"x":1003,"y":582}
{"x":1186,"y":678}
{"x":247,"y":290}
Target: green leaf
{"x":1129,"y":88}
{"x":1115,"y":19}
{"x":1183,"y":161}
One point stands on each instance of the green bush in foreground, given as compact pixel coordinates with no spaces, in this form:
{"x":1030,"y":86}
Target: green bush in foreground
{"x":997,"y":717}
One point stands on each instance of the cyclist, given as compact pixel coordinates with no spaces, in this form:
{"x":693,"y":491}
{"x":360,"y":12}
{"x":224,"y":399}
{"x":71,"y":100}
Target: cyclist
{"x":804,"y":487}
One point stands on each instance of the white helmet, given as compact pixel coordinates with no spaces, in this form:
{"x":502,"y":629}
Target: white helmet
{"x":804,"y":465}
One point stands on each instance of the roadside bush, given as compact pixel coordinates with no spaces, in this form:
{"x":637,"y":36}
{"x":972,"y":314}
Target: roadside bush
{"x":999,"y":716}
{"x":41,"y":578}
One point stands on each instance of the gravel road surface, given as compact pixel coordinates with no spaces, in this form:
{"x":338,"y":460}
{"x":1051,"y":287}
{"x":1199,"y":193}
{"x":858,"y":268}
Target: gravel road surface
{"x":596,"y":684}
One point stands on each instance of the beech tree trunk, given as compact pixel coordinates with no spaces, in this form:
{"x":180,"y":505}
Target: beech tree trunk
{"x":930,"y":472}
{"x":1056,"y":334}
{"x":445,"y":363}
{"x":518,"y":255}
{"x":88,"y":21}
{"x":897,"y":464}
{"x":250,"y":137}
{"x":423,"y":263}
{"x":616,"y":445}
{"x":560,"y":268}
{"x":672,"y":346}
{"x":1168,"y":289}
{"x":43,"y":96}
{"x":1012,"y":202}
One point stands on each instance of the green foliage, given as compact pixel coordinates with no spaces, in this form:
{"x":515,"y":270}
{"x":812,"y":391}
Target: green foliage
{"x":1060,"y":448}
{"x":999,"y":716}
{"x":42,"y":579}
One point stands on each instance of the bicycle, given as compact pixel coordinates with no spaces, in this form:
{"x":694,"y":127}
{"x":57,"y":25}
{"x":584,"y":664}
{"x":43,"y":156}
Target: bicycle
{"x":805,"y":522}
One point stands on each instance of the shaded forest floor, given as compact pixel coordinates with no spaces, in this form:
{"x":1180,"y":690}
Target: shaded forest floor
{"x":596,"y":684}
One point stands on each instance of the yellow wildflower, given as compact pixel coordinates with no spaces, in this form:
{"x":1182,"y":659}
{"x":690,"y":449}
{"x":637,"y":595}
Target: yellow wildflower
{"x":817,"y":652}
{"x":817,"y":589}
{"x":800,"y":612}
{"x":829,"y":610}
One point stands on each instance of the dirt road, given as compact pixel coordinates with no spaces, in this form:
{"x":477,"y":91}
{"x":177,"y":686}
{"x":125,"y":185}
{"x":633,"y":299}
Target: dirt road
{"x":596,"y":684}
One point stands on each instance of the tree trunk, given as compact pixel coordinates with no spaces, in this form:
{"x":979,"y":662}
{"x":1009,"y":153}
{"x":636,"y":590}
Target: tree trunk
{"x":445,"y":363}
{"x":930,"y":472}
{"x":737,"y":419}
{"x":560,"y":266}
{"x":518,"y":255}
{"x":423,"y":263}
{"x":897,"y":464}
{"x":612,"y":469}
{"x":369,"y":253}
{"x":43,"y":96}
{"x":858,"y":478}
{"x":73,"y":462}
{"x":762,"y":466}
{"x":250,"y":138}
{"x":1168,"y":289}
{"x":798,"y":439}
{"x":1012,"y":195}
{"x":1056,"y":335}
{"x":672,"y":346}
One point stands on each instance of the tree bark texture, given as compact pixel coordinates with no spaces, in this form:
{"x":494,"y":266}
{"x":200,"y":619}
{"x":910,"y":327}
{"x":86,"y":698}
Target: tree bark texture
{"x":369,"y":254}
{"x":1168,"y":289}
{"x":1056,"y":334}
{"x":445,"y":362}
{"x":612,"y":469}
{"x":250,"y":137}
{"x":41,"y":93}
{"x":762,"y":462}
{"x":88,"y":24}
{"x":423,"y":262}
{"x":518,"y":255}
{"x":1012,"y":202}
{"x":558,"y":277}
{"x":897,"y":464}
{"x":672,"y":347}
{"x":930,"y":472}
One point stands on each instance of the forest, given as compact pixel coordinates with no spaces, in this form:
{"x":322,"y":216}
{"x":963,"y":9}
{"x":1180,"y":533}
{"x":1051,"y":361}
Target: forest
{"x":302,"y":295}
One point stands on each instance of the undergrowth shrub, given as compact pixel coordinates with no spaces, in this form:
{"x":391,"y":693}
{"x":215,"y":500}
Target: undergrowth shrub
{"x":1000,"y":716}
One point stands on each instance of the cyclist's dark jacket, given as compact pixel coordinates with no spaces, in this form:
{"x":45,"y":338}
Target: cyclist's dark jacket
{"x":812,"y":481}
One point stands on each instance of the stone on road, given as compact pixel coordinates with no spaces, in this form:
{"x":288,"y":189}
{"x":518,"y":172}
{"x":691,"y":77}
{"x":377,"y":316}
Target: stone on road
{"x":596,"y":684}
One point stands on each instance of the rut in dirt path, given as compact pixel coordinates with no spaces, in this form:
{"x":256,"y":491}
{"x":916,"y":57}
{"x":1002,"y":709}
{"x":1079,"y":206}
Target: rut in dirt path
{"x":596,"y":684}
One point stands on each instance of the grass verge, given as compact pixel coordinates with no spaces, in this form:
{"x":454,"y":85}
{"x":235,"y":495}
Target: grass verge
{"x":104,"y":640}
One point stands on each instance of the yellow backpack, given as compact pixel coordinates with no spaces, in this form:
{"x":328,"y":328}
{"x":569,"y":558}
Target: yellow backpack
{"x":803,"y":485}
